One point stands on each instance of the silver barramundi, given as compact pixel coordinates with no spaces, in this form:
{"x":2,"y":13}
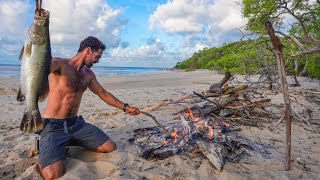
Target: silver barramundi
{"x":35,"y":59}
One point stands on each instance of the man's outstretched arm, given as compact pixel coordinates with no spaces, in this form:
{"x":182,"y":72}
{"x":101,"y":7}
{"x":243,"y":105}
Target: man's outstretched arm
{"x":107,"y":97}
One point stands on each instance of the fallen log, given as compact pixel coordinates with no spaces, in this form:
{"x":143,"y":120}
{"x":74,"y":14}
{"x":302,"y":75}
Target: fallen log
{"x":217,"y":86}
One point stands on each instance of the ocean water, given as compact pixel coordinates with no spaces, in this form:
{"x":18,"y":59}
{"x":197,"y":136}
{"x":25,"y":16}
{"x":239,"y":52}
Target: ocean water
{"x":8,"y":70}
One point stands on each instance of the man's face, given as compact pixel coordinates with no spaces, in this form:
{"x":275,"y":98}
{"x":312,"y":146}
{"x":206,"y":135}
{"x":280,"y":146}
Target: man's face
{"x":93,"y":57}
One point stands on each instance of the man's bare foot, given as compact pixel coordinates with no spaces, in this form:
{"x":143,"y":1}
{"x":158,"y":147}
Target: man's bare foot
{"x":33,"y":152}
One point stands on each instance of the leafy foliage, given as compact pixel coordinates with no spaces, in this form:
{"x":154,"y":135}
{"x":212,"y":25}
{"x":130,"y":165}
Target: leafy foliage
{"x":296,"y":21}
{"x":247,"y":57}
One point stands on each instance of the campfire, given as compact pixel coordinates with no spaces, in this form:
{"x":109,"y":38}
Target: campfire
{"x":208,"y":126}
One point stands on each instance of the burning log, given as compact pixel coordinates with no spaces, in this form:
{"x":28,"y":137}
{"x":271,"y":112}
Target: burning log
{"x":206,"y":126}
{"x":215,"y":139}
{"x":215,"y":153}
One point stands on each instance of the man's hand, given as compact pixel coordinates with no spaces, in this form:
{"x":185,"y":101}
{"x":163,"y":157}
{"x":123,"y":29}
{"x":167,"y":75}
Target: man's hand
{"x":132,"y":110}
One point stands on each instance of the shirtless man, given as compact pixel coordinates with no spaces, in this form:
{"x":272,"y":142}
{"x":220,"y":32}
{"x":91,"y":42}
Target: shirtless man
{"x":69,"y":78}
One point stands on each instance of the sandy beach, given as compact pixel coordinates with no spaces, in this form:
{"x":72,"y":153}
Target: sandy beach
{"x":147,"y":90}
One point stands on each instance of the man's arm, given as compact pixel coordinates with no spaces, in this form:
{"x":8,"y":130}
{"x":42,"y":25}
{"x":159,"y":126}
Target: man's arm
{"x":107,"y":97}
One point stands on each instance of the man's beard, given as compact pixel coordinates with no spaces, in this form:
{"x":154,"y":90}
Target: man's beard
{"x":89,"y":65}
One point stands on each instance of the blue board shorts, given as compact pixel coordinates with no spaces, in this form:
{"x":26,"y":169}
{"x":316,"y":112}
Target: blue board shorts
{"x":58,"y":133}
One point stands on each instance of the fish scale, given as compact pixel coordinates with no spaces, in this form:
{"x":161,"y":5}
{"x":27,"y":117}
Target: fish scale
{"x":35,"y":66}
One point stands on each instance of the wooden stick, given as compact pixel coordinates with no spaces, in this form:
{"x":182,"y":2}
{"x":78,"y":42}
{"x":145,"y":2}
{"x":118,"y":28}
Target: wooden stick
{"x":155,"y":120}
{"x":249,"y":105}
{"x":205,"y":98}
{"x":277,"y":50}
{"x":165,"y":103}
{"x":300,"y":117}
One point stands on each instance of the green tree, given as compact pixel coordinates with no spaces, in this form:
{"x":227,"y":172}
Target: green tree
{"x":298,"y":21}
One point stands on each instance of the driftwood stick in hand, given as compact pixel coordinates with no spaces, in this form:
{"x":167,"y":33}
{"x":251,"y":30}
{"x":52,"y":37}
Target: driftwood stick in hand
{"x":155,"y":120}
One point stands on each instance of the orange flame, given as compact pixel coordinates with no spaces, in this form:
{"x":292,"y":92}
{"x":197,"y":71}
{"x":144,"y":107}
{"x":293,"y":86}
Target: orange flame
{"x":175,"y":136}
{"x":190,"y":113}
{"x":211,"y":132}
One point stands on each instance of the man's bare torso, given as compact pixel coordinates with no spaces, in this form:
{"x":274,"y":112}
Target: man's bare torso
{"x":66,"y":89}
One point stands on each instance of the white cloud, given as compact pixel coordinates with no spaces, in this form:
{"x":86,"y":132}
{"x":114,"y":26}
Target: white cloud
{"x":12,"y":18}
{"x":70,"y":22}
{"x":9,"y":48}
{"x":213,"y":20}
{"x":180,"y":16}
{"x":150,"y":55}
{"x":73,"y":20}
{"x":145,"y":51}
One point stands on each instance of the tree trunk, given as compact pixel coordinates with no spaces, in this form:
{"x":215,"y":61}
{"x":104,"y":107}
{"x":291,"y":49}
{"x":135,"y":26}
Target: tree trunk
{"x":296,"y":66}
{"x":277,"y":49}
{"x":304,"y":71}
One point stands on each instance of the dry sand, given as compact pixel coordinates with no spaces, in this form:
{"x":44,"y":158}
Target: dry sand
{"x":146,"y":90}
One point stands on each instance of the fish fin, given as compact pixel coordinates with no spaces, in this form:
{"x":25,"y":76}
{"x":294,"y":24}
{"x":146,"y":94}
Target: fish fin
{"x":20,"y":96}
{"x":28,"y":50}
{"x":21,"y":53}
{"x":31,"y":122}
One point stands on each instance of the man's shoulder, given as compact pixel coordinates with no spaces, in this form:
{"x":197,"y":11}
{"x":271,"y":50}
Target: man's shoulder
{"x":57,"y":60}
{"x":88,"y":71}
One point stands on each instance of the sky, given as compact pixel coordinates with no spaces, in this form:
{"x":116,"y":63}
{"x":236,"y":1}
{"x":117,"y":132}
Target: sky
{"x":137,"y":33}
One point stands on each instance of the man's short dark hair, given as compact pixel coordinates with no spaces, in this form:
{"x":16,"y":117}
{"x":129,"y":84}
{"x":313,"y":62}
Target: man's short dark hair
{"x":94,"y":43}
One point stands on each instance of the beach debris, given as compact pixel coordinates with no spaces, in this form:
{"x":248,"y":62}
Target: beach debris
{"x":208,"y":125}
{"x":216,"y":140}
{"x":35,"y":59}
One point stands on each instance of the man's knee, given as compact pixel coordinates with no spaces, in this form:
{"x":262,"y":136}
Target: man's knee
{"x":54,"y":171}
{"x":107,"y":147}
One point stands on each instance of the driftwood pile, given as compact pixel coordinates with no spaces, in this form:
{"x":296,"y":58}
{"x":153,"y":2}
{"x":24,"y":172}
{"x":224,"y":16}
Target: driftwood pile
{"x":207,"y":126}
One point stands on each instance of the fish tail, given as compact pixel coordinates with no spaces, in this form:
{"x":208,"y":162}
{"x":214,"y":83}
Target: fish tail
{"x":31,"y":122}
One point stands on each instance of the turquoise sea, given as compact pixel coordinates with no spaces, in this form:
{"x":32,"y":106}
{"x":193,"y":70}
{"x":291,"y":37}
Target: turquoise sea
{"x":9,"y":70}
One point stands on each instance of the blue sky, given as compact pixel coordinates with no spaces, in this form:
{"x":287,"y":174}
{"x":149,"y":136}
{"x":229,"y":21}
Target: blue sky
{"x":137,"y":33}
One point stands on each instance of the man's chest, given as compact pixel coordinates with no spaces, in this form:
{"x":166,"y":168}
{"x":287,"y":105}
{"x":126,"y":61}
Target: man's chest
{"x":77,"y":81}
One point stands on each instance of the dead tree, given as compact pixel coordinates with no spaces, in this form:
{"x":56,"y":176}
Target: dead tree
{"x":277,"y":50}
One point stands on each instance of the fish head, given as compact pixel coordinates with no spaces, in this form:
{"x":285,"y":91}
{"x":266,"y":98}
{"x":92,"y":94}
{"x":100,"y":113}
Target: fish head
{"x":40,"y":28}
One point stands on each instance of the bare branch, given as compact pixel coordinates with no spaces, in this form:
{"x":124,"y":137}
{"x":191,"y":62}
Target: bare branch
{"x":309,"y":41}
{"x":304,"y":29}
{"x":294,"y":39}
{"x":306,"y":51}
